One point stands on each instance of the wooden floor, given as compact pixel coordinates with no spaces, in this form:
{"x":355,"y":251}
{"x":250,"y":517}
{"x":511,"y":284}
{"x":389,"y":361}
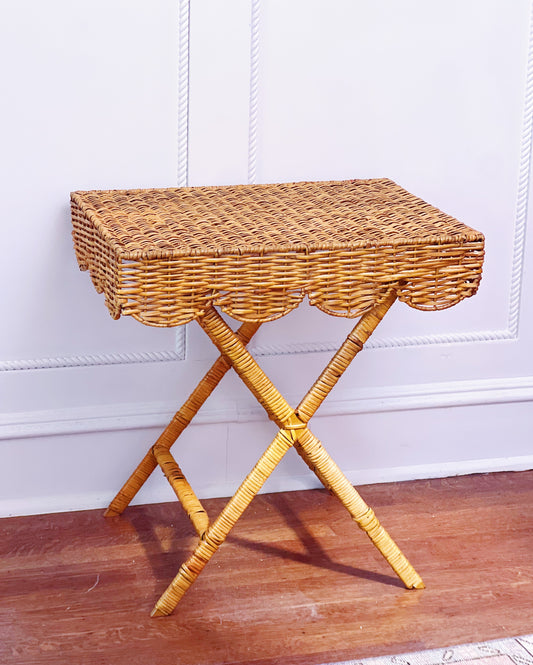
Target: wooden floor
{"x":295,"y":583}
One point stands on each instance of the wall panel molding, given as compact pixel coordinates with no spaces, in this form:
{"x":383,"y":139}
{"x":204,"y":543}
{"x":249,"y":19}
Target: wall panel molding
{"x":92,"y":360}
{"x":509,"y":333}
{"x":102,"y":418}
{"x":254,"y":91}
{"x":183,"y":92}
{"x":387,"y":342}
{"x":522,"y":204}
{"x":117,"y":358}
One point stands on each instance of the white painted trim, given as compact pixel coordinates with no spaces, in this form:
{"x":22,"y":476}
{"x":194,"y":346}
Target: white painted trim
{"x":254,"y":89}
{"x":43,"y":505}
{"x":385,"y":343}
{"x":522,"y":202}
{"x":87,"y":360}
{"x":441,"y":470}
{"x":107,"y":417}
{"x":162,"y":493}
{"x":183,"y":92}
{"x":360,"y":477}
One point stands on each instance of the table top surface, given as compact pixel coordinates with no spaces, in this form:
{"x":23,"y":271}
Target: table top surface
{"x":309,"y":216}
{"x":163,"y":255}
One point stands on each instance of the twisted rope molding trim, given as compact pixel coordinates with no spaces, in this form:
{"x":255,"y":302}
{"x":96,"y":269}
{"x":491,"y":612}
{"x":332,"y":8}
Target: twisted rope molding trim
{"x":523,"y":191}
{"x":386,"y":343}
{"x":450,"y":338}
{"x":254,"y":89}
{"x":183,"y":92}
{"x":180,"y":348}
{"x":89,"y":360}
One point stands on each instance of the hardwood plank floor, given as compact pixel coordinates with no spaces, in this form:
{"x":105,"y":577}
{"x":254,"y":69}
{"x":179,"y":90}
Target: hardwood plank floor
{"x":296,"y":582}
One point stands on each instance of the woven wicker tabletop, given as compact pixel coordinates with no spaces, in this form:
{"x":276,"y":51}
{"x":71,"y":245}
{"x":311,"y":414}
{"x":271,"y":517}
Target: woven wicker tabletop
{"x":164,"y":255}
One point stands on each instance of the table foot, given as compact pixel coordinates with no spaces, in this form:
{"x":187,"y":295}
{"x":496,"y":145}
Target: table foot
{"x":311,"y":449}
{"x":132,"y":486}
{"x":219,"y":530}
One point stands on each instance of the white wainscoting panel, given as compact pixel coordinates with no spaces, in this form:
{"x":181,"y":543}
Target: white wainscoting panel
{"x":437,"y":96}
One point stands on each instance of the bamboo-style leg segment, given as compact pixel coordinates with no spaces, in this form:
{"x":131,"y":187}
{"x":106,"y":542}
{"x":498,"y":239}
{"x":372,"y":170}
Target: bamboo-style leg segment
{"x":293,"y":431}
{"x":223,"y":524}
{"x":246,"y":367}
{"x":343,"y":357}
{"x":316,"y":457}
{"x":358,"y":509}
{"x":134,"y":483}
{"x":277,"y":408}
{"x":335,"y":368}
{"x":188,"y":499}
{"x":179,"y":422}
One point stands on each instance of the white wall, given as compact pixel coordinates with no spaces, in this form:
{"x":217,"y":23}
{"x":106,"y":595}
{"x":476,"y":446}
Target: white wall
{"x":123,"y":93}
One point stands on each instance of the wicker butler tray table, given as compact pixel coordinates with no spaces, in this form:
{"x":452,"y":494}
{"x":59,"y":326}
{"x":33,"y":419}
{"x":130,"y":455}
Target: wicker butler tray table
{"x":168,"y":256}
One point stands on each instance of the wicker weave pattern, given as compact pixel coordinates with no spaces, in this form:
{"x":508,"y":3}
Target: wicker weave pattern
{"x":164,"y":256}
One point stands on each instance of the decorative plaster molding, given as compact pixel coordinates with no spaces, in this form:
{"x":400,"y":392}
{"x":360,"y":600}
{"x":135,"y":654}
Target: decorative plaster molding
{"x":91,"y":360}
{"x":385,"y":343}
{"x":180,"y":348}
{"x":523,"y":192}
{"x":519,"y":237}
{"x":86,"y":360}
{"x":102,"y":418}
{"x":510,"y":333}
{"x":183,"y":93}
{"x":254,"y":89}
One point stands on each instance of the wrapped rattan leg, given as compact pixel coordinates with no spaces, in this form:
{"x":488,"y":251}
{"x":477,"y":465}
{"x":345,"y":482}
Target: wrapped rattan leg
{"x":306,"y":444}
{"x":187,"y":498}
{"x":132,"y":486}
{"x":179,"y":422}
{"x":343,"y":357}
{"x":335,"y":369}
{"x":358,"y":509}
{"x":218,"y":531}
{"x":316,"y":457}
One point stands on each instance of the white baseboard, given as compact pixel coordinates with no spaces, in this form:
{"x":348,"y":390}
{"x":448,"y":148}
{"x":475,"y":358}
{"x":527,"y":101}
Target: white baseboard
{"x":112,"y":434}
{"x":102,"y":418}
{"x":162,"y":493}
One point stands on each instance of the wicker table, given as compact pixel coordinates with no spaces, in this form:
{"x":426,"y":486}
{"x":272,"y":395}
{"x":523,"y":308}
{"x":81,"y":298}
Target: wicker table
{"x":168,"y":256}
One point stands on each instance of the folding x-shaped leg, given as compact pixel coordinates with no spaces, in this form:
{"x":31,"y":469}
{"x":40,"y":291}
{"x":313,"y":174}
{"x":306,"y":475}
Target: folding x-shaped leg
{"x":293,"y":432}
